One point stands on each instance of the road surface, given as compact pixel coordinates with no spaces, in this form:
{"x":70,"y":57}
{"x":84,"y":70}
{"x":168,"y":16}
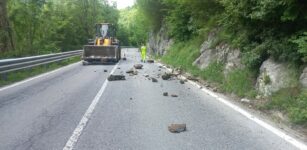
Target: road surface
{"x":43,"y":114}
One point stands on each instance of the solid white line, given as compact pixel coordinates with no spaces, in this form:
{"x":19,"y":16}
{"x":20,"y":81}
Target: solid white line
{"x":82,"y":124}
{"x":36,"y":77}
{"x":248,"y":115}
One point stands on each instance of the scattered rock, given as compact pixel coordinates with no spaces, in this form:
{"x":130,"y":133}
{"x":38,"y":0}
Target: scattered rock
{"x":130,"y":98}
{"x":118,"y":68}
{"x":160,"y":67}
{"x":166,"y":76}
{"x":174,"y":95}
{"x":124,"y":58}
{"x":181,"y":81}
{"x":192,"y":78}
{"x":177,"y":128}
{"x":146,"y":75}
{"x":258,"y":97}
{"x":138,"y":66}
{"x":244,"y":100}
{"x":214,"y":89}
{"x":207,"y":85}
{"x":116,"y":77}
{"x":165,"y":94}
{"x":132,"y":71}
{"x":150,"y":61}
{"x":154,"y":80}
{"x":105,"y":70}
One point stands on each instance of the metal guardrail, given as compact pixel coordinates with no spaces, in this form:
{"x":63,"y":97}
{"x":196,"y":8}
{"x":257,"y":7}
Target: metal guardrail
{"x":9,"y":65}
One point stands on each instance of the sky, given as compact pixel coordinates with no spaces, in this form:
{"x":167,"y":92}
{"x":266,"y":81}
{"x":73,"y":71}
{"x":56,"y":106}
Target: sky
{"x":123,"y":3}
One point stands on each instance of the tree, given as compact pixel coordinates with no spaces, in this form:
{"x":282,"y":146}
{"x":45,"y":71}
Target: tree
{"x":6,"y":40}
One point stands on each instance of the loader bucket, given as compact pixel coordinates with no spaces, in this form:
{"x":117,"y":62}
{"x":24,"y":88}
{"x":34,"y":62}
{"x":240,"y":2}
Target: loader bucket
{"x":104,"y":54}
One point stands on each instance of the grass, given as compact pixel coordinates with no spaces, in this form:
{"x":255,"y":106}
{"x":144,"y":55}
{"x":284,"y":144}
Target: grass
{"x":240,"y":82}
{"x":183,"y":55}
{"x":291,"y":101}
{"x":16,"y":76}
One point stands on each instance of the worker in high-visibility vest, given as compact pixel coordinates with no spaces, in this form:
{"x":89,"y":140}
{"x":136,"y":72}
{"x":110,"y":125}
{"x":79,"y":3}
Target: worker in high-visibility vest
{"x":143,"y":53}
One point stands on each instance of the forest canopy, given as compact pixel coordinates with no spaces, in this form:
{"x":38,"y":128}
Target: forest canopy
{"x":34,"y":27}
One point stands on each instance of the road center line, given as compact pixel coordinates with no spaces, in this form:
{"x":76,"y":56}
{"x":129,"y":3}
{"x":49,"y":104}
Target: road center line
{"x":83,"y":122}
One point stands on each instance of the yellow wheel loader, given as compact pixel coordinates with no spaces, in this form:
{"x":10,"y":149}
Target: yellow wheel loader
{"x":104,"y":48}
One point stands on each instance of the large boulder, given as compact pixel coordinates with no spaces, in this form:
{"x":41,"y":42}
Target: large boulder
{"x":222,"y":53}
{"x":303,"y":78}
{"x":273,"y":77}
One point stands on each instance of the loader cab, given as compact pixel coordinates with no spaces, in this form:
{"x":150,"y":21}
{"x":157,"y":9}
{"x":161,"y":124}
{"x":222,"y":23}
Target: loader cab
{"x":105,"y":34}
{"x":105,"y":30}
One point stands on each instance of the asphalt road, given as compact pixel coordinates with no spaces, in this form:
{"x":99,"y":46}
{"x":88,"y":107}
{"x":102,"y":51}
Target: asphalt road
{"x":42,"y":114}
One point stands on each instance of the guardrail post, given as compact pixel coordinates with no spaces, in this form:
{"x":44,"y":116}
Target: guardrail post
{"x":4,"y":76}
{"x":46,"y":66}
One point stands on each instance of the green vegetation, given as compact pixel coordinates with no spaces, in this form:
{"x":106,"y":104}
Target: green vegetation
{"x":291,"y":101}
{"x":133,"y":27}
{"x":26,"y":73}
{"x":45,"y":26}
{"x":183,"y":54}
{"x":260,"y":29}
{"x":240,"y":82}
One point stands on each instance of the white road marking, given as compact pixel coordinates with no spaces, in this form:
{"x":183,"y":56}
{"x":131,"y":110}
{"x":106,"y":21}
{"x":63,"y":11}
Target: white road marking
{"x":36,"y":77}
{"x":83,"y":122}
{"x":248,"y":115}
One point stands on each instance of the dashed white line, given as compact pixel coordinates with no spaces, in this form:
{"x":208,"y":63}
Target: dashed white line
{"x":83,"y":122}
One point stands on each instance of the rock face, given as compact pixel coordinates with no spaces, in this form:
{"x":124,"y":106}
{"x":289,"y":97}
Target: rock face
{"x":303,"y":78}
{"x":159,"y":43}
{"x":222,"y":53}
{"x":273,"y":77}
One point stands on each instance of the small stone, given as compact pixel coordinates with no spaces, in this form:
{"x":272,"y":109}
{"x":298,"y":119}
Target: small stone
{"x":166,"y":76}
{"x":181,"y":82}
{"x":132,"y":72}
{"x":138,"y":66}
{"x":118,"y":68}
{"x":244,"y":100}
{"x":258,"y":97}
{"x":130,"y":98}
{"x":165,"y":94}
{"x":160,"y":67}
{"x":124,"y":58}
{"x":154,"y":80}
{"x":214,"y":89}
{"x":177,"y":128}
{"x":116,"y":77}
{"x":150,"y":61}
{"x":146,"y":75}
{"x":105,"y":70}
{"x":174,"y":95}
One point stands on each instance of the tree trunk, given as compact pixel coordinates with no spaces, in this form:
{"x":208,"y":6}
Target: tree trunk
{"x":6,"y":39}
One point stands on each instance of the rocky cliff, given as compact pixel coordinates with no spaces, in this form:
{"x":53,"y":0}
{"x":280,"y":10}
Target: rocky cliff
{"x":272,"y":76}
